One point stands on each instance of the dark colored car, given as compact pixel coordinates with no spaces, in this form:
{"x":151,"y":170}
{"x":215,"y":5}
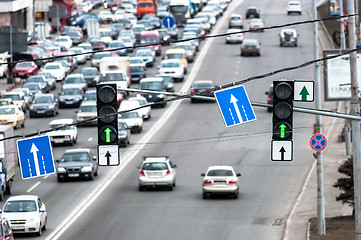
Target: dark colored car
{"x":153,"y":84}
{"x":164,"y":35}
{"x":253,"y":12}
{"x":80,"y":20}
{"x":28,"y":56}
{"x":77,"y":163}
{"x":76,"y":37}
{"x":202,"y":88}
{"x":121,"y":49}
{"x":124,"y":22}
{"x":137,"y":71}
{"x":44,"y":105}
{"x":70,"y":97}
{"x":250,"y":47}
{"x":173,"y":32}
{"x":68,"y":29}
{"x":123,"y":134}
{"x":168,"y":82}
{"x":91,"y":75}
{"x":97,"y":45}
{"x":34,"y":88}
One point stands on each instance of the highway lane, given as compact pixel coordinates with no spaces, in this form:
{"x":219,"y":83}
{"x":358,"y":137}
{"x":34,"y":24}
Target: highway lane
{"x":195,"y":137}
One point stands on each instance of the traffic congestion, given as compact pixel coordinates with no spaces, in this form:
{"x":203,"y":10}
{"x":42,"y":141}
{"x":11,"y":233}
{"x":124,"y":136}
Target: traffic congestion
{"x":59,"y":93}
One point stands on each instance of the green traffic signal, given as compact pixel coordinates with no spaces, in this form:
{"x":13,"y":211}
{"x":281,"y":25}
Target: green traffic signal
{"x":107,"y":135}
{"x":282,"y":130}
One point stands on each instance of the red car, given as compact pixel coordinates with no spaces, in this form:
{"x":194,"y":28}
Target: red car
{"x":120,"y":96}
{"x":5,"y":230}
{"x":25,"y":69}
{"x":97,"y":44}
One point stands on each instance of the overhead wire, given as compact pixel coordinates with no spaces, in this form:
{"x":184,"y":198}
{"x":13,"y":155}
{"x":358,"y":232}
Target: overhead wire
{"x":189,"y":95}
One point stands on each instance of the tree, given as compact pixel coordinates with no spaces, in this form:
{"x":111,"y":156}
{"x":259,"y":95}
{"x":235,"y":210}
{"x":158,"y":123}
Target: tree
{"x":346,"y":184}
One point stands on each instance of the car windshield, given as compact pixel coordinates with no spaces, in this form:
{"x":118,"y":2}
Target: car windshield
{"x":149,"y":39}
{"x":203,"y":85}
{"x":32,"y":86}
{"x":90,"y":96}
{"x":61,"y":40}
{"x":20,"y":206}
{"x":136,"y":61}
{"x":178,"y":9}
{"x":138,"y":29}
{"x":116,"y":45}
{"x":220,"y":173}
{"x":64,"y":127}
{"x":155,"y":85}
{"x":185,"y":47}
{"x":143,"y":53}
{"x":154,"y":166}
{"x":41,"y":99}
{"x":113,"y":77}
{"x":100,"y":56}
{"x":105,"y":34}
{"x":76,"y":157}
{"x":71,"y":91}
{"x":145,"y":5}
{"x":4,"y":103}
{"x":89,"y":72}
{"x":129,"y":115}
{"x":35,"y":79}
{"x":14,"y":97}
{"x":7,"y":111}
{"x":51,"y":67}
{"x":83,"y":109}
{"x":174,"y":56}
{"x":73,"y":34}
{"x":121,"y":126}
{"x":73,"y":80}
{"x":170,"y":65}
{"x":23,"y":65}
{"x":136,"y":68}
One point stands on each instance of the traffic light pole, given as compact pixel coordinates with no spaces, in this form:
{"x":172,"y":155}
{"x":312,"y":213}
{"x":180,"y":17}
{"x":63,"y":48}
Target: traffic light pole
{"x":318,"y":124}
{"x":355,"y":110}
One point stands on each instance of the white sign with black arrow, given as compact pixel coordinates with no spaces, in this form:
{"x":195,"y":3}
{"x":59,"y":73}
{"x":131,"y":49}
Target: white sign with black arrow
{"x":108,"y":155}
{"x":282,"y":151}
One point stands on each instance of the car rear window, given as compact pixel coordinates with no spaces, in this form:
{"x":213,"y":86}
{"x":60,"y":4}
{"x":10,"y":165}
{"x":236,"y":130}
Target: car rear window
{"x":220,"y":173}
{"x":155,"y":166}
{"x":235,"y":18}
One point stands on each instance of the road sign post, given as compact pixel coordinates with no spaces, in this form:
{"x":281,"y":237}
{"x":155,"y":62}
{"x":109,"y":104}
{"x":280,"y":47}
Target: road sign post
{"x":168,"y":22}
{"x":235,"y":105}
{"x":35,"y":157}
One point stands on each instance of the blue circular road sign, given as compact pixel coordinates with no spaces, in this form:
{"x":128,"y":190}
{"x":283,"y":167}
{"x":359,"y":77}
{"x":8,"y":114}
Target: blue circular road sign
{"x":318,"y":142}
{"x":168,"y":22}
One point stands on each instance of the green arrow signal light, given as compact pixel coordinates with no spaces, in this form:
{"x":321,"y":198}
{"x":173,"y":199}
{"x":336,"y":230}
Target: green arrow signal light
{"x":107,"y":134}
{"x":282,"y":130}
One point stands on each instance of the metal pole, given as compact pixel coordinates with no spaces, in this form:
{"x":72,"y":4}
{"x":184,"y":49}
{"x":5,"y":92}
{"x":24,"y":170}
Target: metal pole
{"x":318,"y":124}
{"x":57,"y":19}
{"x":355,"y":110}
{"x":347,"y":108}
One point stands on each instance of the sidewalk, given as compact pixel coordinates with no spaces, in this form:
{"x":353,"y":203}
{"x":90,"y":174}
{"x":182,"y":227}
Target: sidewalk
{"x":4,"y":86}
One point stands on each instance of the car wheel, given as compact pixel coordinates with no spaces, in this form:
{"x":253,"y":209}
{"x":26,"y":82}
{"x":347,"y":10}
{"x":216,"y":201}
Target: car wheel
{"x":39,"y":232}
{"x":140,"y":188}
{"x":205,"y":195}
{"x":193,"y":100}
{"x":71,"y":142}
{"x":91,"y":177}
{"x":170,"y":188}
{"x":23,"y":124}
{"x":96,"y":173}
{"x":46,"y":221}
{"x":54,"y":114}
{"x":74,"y":140}
{"x":16,"y":125}
{"x":235,"y":196}
{"x":59,"y":179}
{"x":2,"y":194}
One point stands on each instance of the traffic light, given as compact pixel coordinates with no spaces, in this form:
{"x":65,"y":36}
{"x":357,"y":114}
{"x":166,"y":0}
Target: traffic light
{"x":282,"y":110}
{"x":106,"y":105}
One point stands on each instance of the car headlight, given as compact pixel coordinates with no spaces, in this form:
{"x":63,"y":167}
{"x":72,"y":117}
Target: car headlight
{"x":61,"y":170}
{"x":160,"y":95}
{"x":86,"y":169}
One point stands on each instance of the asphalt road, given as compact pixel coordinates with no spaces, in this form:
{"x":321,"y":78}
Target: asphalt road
{"x":195,"y":137}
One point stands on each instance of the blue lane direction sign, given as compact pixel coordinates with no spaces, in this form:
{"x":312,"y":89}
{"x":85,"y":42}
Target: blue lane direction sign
{"x":35,"y":157}
{"x":168,"y":22}
{"x":235,"y":105}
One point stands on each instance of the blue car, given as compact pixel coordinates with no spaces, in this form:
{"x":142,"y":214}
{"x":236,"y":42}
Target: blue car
{"x":137,"y":72}
{"x":118,"y":44}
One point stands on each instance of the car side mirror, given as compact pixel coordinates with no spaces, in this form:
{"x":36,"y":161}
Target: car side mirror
{"x":175,"y":165}
{"x":42,"y":208}
{"x":76,"y":111}
{"x":57,"y":160}
{"x":298,"y":35}
{"x":203,"y":174}
{"x":238,"y":175}
{"x":94,"y":158}
{"x":266,"y":93}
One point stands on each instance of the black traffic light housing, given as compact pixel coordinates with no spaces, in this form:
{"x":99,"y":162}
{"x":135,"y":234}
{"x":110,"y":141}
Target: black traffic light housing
{"x":106,"y":110}
{"x":282,"y":110}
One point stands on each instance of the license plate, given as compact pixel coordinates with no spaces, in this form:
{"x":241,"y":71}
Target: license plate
{"x":41,"y":112}
{"x":219,"y":183}
{"x":21,"y":74}
{"x":73,"y":175}
{"x":18,"y":228}
{"x":249,"y":47}
{"x":68,"y":102}
{"x":154,"y":173}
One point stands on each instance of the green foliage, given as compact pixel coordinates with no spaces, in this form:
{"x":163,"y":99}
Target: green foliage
{"x":346,"y":184}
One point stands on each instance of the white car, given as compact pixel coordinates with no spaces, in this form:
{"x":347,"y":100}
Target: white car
{"x":64,"y":41}
{"x":3,"y":67}
{"x":86,"y":6}
{"x":56,"y":69}
{"x":87,"y":111}
{"x":220,"y":180}
{"x":106,"y":17}
{"x":26,"y":214}
{"x":75,"y":80}
{"x":119,"y":14}
{"x":294,"y":7}
{"x":157,"y":171}
{"x":133,"y":119}
{"x":81,"y":58}
{"x":87,"y":47}
{"x":173,"y":68}
{"x":106,"y":35}
{"x":67,"y":134}
{"x":233,"y":37}
{"x":145,"y":111}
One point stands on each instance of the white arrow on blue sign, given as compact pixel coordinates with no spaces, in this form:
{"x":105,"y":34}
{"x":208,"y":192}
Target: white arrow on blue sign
{"x":168,"y":22}
{"x":35,"y":157}
{"x":235,"y":105}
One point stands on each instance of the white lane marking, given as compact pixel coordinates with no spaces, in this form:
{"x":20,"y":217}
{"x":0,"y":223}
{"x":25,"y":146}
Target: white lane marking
{"x":298,"y":200}
{"x":102,"y":185}
{"x":90,"y":139}
{"x":33,"y":187}
{"x":46,"y":176}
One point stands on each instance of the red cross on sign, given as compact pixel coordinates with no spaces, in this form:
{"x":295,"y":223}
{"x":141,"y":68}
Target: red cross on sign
{"x":318,"y":142}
